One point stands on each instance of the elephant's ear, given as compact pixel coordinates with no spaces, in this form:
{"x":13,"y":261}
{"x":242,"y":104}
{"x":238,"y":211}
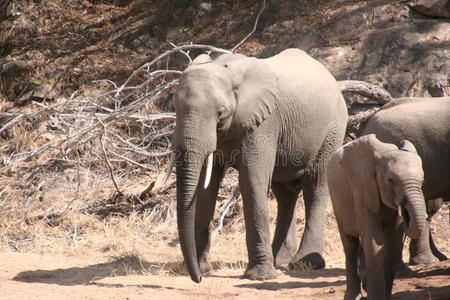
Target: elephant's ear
{"x":406,"y":145}
{"x":360,"y":162}
{"x":256,"y":91}
{"x":201,"y":59}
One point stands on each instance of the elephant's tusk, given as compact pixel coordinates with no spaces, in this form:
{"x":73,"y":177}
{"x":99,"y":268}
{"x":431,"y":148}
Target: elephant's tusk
{"x":399,"y":209}
{"x":208,"y":170}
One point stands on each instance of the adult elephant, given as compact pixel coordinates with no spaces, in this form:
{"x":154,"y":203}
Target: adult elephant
{"x":277,"y":121}
{"x":426,"y":123}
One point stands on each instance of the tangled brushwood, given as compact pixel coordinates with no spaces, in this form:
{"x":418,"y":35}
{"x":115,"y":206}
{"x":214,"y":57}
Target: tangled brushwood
{"x":80,"y":154}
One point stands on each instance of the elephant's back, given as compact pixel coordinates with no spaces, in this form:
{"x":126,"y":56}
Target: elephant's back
{"x":411,"y":118}
{"x":426,"y":123}
{"x":438,"y":107}
{"x":297,"y":64}
{"x":308,"y":86}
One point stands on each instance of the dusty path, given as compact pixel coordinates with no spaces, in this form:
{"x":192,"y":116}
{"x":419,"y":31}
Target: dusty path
{"x":32,"y":276}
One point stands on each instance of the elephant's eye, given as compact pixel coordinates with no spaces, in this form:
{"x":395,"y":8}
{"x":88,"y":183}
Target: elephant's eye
{"x":390,"y":181}
{"x":221,"y":112}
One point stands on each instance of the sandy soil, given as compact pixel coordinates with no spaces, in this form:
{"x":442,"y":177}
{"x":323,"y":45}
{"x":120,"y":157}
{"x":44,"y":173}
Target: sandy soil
{"x":32,"y":276}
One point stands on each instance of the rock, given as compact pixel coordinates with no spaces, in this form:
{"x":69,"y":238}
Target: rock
{"x":17,"y":87}
{"x":204,"y":8}
{"x":433,"y":8}
{"x":408,"y":55}
{"x":439,"y":87}
{"x":41,"y":92}
{"x":12,"y":75}
{"x":8,"y":9}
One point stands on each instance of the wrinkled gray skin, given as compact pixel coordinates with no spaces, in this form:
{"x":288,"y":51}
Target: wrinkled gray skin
{"x":368,"y":182}
{"x":426,"y":123}
{"x":277,"y":121}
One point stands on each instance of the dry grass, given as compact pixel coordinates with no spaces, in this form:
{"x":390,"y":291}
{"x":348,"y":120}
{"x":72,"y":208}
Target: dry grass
{"x":149,"y":235}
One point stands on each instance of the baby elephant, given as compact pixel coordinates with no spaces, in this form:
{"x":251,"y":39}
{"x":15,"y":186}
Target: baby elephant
{"x":375,"y":188}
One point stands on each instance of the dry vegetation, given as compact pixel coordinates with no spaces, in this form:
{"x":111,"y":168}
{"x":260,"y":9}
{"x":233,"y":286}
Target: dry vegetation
{"x":78,"y":174}
{"x":89,"y":179}
{"x":83,"y":174}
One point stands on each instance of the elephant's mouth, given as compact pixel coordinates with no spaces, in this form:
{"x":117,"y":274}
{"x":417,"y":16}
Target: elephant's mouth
{"x":406,"y":218}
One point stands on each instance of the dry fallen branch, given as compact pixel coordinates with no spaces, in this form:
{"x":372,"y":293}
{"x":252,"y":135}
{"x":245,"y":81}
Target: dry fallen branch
{"x":361,"y":117}
{"x":365,"y":89}
{"x":79,"y":121}
{"x":111,"y":172}
{"x":231,"y":201}
{"x":124,"y":127}
{"x":361,"y":112}
{"x":148,"y":65}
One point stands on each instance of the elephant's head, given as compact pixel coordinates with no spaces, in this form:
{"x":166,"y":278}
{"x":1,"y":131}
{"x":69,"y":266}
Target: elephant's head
{"x":393,"y":175}
{"x":216,"y":100}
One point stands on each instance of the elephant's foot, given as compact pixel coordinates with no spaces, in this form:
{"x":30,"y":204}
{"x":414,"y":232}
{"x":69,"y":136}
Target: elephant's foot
{"x":423,"y":257}
{"x":283,"y":257}
{"x":402,"y":270}
{"x":205,"y":266}
{"x":364,"y":284}
{"x":261,"y":272}
{"x":439,"y":255}
{"x":353,"y":295}
{"x":312,"y":261}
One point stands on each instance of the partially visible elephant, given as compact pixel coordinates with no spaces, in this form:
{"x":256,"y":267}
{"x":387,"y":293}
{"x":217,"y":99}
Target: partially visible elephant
{"x":375,"y":188}
{"x":277,"y":121}
{"x":426,"y":123}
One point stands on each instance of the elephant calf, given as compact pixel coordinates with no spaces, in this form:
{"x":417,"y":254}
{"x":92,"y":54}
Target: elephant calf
{"x":375,"y":188}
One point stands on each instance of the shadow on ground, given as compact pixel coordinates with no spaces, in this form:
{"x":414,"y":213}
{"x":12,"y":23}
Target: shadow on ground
{"x":435,"y":293}
{"x":129,"y":265}
{"x":308,"y":273}
{"x":88,"y":275}
{"x":275,"y":286}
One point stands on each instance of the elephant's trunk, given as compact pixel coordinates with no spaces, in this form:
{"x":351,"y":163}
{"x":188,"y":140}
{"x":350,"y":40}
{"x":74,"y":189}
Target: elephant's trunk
{"x":414,"y":214}
{"x":188,"y":173}
{"x":193,"y":148}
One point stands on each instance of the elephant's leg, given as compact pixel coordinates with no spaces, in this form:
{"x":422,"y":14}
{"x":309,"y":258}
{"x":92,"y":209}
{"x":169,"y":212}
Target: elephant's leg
{"x":284,"y":242}
{"x":420,"y":251}
{"x":254,"y":181}
{"x":394,"y":247}
{"x":436,"y":205}
{"x":206,"y":202}
{"x":375,"y":255}
{"x":402,"y":270}
{"x":362,"y":266}
{"x":316,"y":196}
{"x":441,"y":256}
{"x":351,"y":246}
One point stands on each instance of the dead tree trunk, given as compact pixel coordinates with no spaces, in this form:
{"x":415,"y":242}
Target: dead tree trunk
{"x":361,"y":112}
{"x":365,"y":89}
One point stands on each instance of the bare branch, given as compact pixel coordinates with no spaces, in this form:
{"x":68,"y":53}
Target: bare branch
{"x":253,"y":30}
{"x":166,"y":54}
{"x":361,"y":116}
{"x":231,"y":201}
{"x":107,"y":161}
{"x":365,"y":89}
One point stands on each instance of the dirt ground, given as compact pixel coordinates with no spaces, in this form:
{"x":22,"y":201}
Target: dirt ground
{"x":138,"y":260}
{"x":32,"y":276}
